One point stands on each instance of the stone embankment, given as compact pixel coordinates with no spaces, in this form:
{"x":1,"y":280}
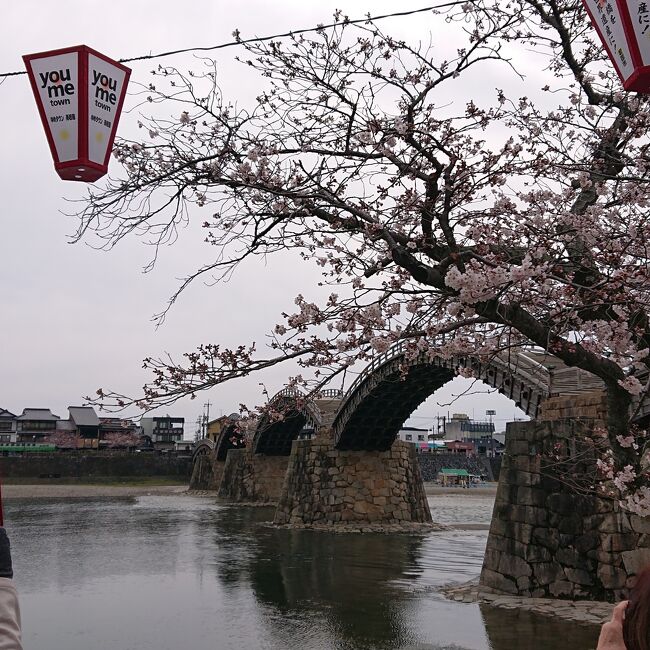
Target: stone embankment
{"x":93,"y":464}
{"x":432,"y":463}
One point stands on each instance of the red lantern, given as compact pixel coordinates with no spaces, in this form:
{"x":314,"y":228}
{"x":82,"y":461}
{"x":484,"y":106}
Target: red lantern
{"x":79,"y":93}
{"x":624,"y":29}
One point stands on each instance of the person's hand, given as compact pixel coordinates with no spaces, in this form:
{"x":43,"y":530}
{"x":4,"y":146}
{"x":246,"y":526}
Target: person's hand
{"x":611,"y":634}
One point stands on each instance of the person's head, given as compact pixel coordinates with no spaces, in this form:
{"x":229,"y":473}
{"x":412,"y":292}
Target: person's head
{"x":636,"y":625}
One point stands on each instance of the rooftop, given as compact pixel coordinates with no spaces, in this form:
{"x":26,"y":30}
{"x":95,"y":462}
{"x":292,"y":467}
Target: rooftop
{"x":83,"y":416}
{"x":454,"y":472}
{"x":38,"y":414}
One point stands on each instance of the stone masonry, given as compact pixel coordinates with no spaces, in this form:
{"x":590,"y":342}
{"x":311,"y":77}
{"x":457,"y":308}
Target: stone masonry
{"x":201,"y":473}
{"x":328,"y":487}
{"x":547,"y":539}
{"x":252,"y":478}
{"x":206,"y":473}
{"x":591,"y":406}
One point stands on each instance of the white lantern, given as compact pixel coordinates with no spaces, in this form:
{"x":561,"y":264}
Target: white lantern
{"x":79,"y":93}
{"x":624,"y":29}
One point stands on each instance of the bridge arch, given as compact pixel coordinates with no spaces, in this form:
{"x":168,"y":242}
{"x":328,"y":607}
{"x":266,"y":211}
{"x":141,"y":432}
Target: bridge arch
{"x":231,"y":437}
{"x":274,"y":435}
{"x":395,"y":383}
{"x":202,"y":448}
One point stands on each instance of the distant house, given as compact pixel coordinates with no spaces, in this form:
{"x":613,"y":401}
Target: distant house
{"x":216,"y":426}
{"x":418,"y":437}
{"x":460,"y":447}
{"x":7,"y":426}
{"x":164,"y":431}
{"x":487,"y":446}
{"x":85,"y":420}
{"x":184,"y":446}
{"x":34,"y":424}
{"x":113,"y":426}
{"x":461,"y":427}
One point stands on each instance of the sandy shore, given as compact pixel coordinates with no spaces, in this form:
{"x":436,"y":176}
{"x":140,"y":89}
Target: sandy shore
{"x":490,"y":489}
{"x":87,"y":491}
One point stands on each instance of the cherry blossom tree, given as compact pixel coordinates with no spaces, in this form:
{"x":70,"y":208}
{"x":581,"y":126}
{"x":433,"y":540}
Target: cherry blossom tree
{"x":118,"y":439}
{"x":456,"y":223}
{"x":64,"y":439}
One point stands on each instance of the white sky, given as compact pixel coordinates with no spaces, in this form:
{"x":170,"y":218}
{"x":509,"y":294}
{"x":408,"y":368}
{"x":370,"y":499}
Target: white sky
{"x":74,"y":318}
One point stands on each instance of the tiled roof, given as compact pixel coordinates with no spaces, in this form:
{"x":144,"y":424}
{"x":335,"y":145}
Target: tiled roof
{"x":83,"y":416}
{"x":38,"y":414}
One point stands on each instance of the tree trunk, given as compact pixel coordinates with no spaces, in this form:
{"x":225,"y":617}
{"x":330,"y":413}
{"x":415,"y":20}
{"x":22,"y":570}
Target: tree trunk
{"x":618,"y":420}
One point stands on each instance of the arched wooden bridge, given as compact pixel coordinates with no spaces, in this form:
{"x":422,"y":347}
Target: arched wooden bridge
{"x":371,"y":412}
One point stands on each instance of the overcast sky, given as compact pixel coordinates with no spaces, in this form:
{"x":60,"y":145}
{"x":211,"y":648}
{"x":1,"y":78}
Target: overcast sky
{"x":74,"y":318}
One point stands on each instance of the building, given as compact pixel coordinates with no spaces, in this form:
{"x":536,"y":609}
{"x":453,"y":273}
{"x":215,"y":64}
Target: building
{"x":35,"y":425}
{"x":216,"y":426}
{"x":85,"y":421}
{"x":118,"y":426}
{"x":461,"y":427}
{"x":118,"y":433}
{"x":488,"y":446}
{"x":164,"y":431}
{"x":417,"y":436}
{"x":460,"y":447}
{"x":7,"y":426}
{"x":184,"y":446}
{"x":83,"y":429}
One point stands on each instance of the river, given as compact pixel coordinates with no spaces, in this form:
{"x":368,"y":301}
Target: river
{"x":180,"y":572}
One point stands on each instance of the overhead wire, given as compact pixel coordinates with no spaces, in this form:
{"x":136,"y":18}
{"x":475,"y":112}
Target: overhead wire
{"x":262,"y":39}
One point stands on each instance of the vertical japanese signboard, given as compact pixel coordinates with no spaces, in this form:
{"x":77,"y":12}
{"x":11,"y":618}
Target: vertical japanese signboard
{"x":640,"y":15}
{"x":80,"y":94}
{"x":624,"y":29}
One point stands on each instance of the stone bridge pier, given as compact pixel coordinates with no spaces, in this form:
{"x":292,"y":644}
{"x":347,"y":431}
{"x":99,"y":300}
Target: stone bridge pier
{"x":252,"y":478}
{"x":549,"y":537}
{"x":206,"y":473}
{"x":328,"y":487}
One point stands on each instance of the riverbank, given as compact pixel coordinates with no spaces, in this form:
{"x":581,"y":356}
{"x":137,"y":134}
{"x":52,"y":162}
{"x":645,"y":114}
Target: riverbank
{"x":486,"y":489}
{"x":91,"y":490}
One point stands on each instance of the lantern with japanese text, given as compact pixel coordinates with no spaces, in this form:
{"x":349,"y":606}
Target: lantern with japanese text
{"x":79,"y":93}
{"x":624,"y":28}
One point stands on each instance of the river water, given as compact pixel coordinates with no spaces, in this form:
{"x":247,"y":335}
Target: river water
{"x":178,"y":572}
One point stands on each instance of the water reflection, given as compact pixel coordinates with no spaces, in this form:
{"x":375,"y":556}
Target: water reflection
{"x":168,"y":572}
{"x":348,"y":579}
{"x":528,"y":631}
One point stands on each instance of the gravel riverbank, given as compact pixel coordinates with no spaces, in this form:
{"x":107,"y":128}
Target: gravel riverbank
{"x":487,"y":489}
{"x":78,"y":491}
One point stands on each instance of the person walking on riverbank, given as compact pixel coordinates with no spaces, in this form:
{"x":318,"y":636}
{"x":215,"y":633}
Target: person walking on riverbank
{"x":10,"y":631}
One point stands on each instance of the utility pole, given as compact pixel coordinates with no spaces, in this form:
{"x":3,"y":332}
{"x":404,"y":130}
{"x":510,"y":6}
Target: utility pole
{"x":206,"y":418}
{"x":490,"y":413}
